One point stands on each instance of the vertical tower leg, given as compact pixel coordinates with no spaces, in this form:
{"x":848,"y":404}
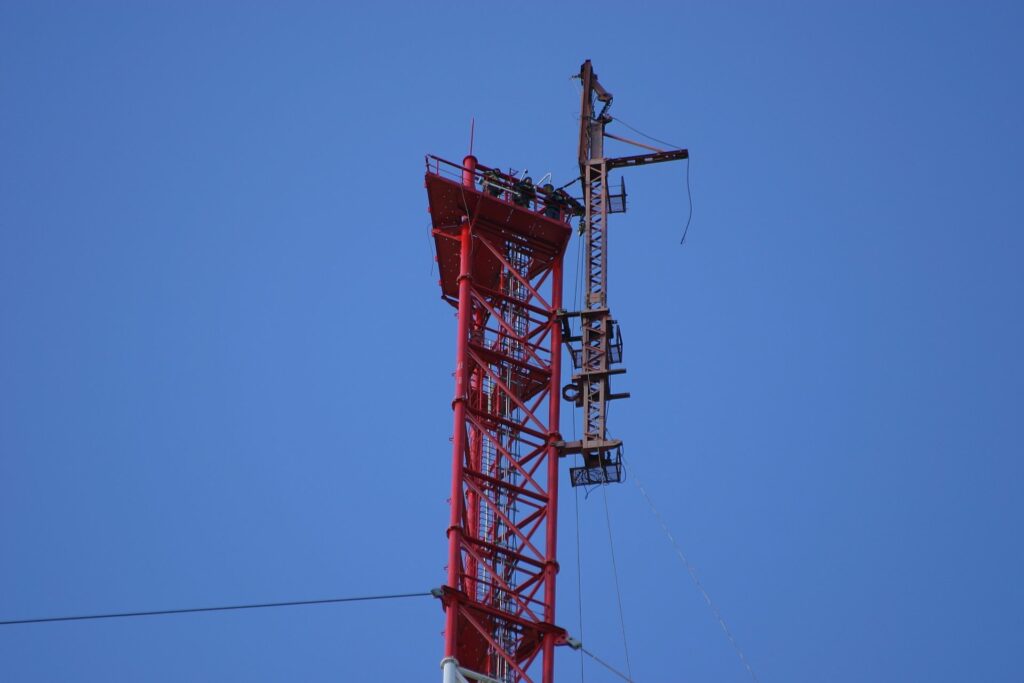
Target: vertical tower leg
{"x":455,"y":524}
{"x":554,"y":405}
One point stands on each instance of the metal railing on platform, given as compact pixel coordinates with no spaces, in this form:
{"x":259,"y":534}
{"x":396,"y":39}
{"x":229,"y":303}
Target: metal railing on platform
{"x":555,"y":204}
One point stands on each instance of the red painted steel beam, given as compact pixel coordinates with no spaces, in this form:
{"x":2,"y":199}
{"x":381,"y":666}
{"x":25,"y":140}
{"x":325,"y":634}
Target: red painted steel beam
{"x":459,"y":436}
{"x":501,"y":265}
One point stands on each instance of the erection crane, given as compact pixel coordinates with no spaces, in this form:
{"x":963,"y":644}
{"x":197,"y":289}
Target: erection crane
{"x":600,"y":339}
{"x":500,"y":244}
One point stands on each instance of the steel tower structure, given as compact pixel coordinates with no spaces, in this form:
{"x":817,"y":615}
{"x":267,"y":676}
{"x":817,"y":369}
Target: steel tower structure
{"x":500,"y":261}
{"x":500,"y":250}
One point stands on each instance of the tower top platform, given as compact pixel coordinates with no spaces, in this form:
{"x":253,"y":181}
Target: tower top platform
{"x":497,"y":203}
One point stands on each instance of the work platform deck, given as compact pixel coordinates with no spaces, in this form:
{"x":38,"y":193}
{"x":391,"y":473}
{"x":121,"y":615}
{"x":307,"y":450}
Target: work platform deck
{"x":452,"y":198}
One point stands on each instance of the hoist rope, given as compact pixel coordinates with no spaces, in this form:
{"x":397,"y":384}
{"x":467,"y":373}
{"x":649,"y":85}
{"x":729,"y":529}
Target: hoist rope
{"x":615,"y":575}
{"x":640,"y":132}
{"x":689,"y":197}
{"x":607,"y":665}
{"x":579,"y":574}
{"x":689,"y":194}
{"x":692,"y":571}
{"x":575,"y":490}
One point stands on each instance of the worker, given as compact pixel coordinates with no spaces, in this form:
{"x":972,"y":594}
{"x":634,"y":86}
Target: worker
{"x":525,"y":192}
{"x":492,"y":182}
{"x":552,"y":202}
{"x":572,"y":207}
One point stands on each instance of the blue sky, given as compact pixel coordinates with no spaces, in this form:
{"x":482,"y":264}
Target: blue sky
{"x":225,"y":372}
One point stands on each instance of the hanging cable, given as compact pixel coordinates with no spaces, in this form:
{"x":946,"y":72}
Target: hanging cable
{"x":640,"y":132}
{"x":577,"y":178}
{"x":615,"y":574}
{"x":578,"y":278}
{"x":430,"y":250}
{"x":693,"y":575}
{"x":607,"y":665}
{"x":191,"y":610}
{"x":689,"y":200}
{"x":579,"y":575}
{"x":689,"y":194}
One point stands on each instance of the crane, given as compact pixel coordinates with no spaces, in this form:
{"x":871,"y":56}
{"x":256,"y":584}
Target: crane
{"x":600,"y":339}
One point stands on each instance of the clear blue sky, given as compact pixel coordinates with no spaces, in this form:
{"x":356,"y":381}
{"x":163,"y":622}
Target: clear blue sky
{"x":225,"y":371}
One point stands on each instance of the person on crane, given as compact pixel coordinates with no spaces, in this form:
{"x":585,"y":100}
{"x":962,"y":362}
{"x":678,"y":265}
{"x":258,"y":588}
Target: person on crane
{"x":524,"y":192}
{"x":553,"y":202}
{"x":492,"y":182}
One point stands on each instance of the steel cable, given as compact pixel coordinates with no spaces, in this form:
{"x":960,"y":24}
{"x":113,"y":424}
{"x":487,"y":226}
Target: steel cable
{"x":225,"y":608}
{"x":693,"y":575}
{"x":607,"y":665}
{"x":615,"y":575}
{"x":689,"y":194}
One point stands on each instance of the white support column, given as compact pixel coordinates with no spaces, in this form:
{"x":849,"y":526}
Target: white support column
{"x":450,"y":671}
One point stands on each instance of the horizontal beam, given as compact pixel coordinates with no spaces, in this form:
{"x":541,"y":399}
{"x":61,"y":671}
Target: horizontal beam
{"x":644,"y":159}
{"x":599,"y":373}
{"x":566,"y":447}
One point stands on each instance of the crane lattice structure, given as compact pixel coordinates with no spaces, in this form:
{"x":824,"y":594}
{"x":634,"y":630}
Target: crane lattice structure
{"x":600,"y":338}
{"x":500,"y":249}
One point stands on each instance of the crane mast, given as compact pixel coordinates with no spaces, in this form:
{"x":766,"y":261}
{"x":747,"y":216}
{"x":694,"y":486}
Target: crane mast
{"x":591,"y":388}
{"x":599,"y":338}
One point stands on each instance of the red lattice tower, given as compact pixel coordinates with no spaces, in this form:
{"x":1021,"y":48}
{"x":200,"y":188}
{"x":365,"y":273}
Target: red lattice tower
{"x":499,"y":255}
